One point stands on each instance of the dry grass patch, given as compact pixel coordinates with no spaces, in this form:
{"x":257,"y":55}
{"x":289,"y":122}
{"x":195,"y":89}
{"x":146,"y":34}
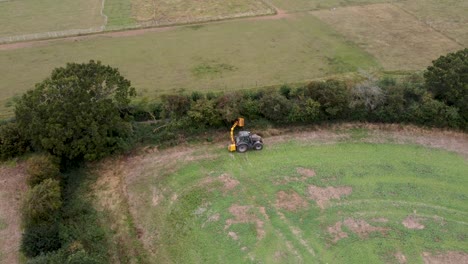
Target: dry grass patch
{"x":397,"y":39}
{"x":413,"y":222}
{"x":244,"y":214}
{"x":400,"y":257}
{"x":306,"y":172}
{"x":448,"y":17}
{"x":163,"y":12}
{"x":227,"y":181}
{"x":290,"y":201}
{"x":362,"y":228}
{"x":357,"y":226}
{"x":110,"y":198}
{"x":323,"y":195}
{"x":12,"y":186}
{"x":451,"y":257}
{"x":337,"y":232}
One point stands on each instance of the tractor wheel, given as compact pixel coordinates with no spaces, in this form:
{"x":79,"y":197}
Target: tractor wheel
{"x":258,"y":146}
{"x":242,"y":148}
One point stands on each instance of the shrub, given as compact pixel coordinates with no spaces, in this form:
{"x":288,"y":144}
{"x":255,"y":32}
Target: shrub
{"x":204,"y":114}
{"x":42,"y":203}
{"x":274,"y":106}
{"x":436,"y":114}
{"x":12,"y":142}
{"x":305,"y":110}
{"x":229,"y":106}
{"x":42,"y":167}
{"x":175,"y":105}
{"x":250,"y":108}
{"x":40,"y":239}
{"x":333,"y":97}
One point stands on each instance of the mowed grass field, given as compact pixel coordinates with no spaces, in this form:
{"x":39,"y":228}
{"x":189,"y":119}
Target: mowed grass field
{"x":297,"y":201}
{"x":166,"y":12}
{"x":21,"y":17}
{"x":212,"y":57}
{"x":378,"y":30}
{"x":449,"y":16}
{"x":24,"y":17}
{"x":307,"y":5}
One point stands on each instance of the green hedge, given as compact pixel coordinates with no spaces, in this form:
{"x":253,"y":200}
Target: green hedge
{"x":385,"y":101}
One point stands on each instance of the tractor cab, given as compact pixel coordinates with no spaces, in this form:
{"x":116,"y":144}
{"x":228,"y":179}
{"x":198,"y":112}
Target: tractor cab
{"x":243,"y":136}
{"x":244,"y":139}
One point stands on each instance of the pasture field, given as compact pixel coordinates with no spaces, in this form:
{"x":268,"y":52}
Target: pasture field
{"x":311,"y":198}
{"x":169,"y":12}
{"x":307,"y":5}
{"x":31,"y":16}
{"x":449,"y":16}
{"x":137,"y":13}
{"x":378,"y":30}
{"x":225,"y":56}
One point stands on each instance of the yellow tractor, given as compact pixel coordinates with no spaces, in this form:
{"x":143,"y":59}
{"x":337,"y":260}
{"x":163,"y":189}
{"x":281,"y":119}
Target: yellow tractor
{"x":244,"y":140}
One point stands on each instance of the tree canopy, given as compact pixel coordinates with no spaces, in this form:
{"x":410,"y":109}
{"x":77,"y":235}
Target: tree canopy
{"x":447,"y":79}
{"x":76,"y":112}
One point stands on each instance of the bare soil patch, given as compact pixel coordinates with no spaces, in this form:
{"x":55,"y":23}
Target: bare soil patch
{"x":323,"y":195}
{"x":413,"y":222}
{"x":12,"y":187}
{"x":400,"y":258}
{"x":247,"y":214}
{"x":362,"y":228}
{"x":397,"y":39}
{"x":357,"y":226}
{"x":337,"y":232}
{"x":233,"y":235}
{"x":380,"y":220}
{"x":451,"y":257}
{"x":227,"y":181}
{"x":306,"y":172}
{"x":290,"y":201}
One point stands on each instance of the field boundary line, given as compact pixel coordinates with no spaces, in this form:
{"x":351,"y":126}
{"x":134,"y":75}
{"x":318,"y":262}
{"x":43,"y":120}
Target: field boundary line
{"x":49,"y":35}
{"x":103,"y":4}
{"x":147,"y":25}
{"x":427,"y":24}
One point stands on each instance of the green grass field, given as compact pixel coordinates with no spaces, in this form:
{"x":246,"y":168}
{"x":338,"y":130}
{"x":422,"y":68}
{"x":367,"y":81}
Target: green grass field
{"x":299,"y":202}
{"x":31,"y":16}
{"x":221,"y":56}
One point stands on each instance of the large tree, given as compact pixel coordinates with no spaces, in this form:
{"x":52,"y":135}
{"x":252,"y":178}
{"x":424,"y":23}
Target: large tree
{"x":447,"y":79}
{"x":75,"y":113}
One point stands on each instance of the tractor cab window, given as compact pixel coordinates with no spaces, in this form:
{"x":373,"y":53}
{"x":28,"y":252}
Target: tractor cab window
{"x":243,"y":136}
